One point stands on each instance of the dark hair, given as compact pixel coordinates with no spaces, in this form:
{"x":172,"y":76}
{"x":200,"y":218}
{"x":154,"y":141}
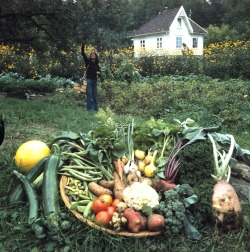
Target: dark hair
{"x":96,"y":57}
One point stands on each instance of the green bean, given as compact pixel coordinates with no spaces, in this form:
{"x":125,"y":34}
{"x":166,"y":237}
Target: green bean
{"x":87,"y":210}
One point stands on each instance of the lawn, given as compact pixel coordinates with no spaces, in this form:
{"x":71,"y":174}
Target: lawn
{"x":39,"y":119}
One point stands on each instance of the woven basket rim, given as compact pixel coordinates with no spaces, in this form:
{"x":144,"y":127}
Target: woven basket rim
{"x":65,"y":198}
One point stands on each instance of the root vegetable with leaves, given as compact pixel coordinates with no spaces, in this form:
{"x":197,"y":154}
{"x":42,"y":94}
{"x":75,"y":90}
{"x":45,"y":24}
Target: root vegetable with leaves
{"x":170,"y":171}
{"x":226,"y":205}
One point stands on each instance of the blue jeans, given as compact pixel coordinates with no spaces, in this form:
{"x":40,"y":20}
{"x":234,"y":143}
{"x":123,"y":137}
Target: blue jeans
{"x":91,"y":95}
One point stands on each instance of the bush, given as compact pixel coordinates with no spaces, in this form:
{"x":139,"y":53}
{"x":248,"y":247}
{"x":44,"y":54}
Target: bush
{"x":227,"y":60}
{"x":220,"y":60}
{"x":14,"y":85}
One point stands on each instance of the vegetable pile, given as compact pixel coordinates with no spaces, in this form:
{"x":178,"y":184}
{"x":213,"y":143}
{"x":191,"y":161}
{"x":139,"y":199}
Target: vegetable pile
{"x":129,"y":178}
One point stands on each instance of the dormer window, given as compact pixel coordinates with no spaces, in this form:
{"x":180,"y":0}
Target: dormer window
{"x":179,"y":23}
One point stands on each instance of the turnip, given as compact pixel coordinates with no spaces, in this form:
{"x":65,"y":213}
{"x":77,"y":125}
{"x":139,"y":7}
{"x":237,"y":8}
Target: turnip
{"x":226,"y":205}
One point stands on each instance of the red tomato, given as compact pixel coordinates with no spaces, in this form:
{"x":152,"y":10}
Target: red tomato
{"x":115,"y":202}
{"x":110,"y":210}
{"x":106,"y":198}
{"x":102,"y":218}
{"x":98,"y":206}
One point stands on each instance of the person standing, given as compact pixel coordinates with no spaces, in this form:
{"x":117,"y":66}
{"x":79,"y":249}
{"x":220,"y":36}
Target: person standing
{"x":92,"y":72}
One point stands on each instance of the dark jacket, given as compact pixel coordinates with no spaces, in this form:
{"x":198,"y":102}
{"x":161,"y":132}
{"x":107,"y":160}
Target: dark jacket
{"x":92,"y":68}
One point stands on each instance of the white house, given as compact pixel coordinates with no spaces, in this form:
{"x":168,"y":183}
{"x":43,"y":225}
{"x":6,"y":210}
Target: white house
{"x":167,"y":33}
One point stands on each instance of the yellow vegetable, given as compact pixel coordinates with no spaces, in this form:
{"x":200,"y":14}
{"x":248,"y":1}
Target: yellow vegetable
{"x":141,"y":166}
{"x":124,"y":159}
{"x":139,"y":154}
{"x":150,"y":168}
{"x":29,"y":154}
{"x":148,"y":158}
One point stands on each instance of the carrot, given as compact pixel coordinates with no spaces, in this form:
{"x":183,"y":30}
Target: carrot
{"x":119,"y":167}
{"x":163,"y":185}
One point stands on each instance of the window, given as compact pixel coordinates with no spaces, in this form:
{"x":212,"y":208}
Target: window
{"x":179,"y":23}
{"x":159,"y":43}
{"x":142,"y":44}
{"x":195,"y":42}
{"x":178,"y":42}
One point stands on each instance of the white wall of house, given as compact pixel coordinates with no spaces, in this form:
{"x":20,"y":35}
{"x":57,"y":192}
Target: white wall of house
{"x":180,"y":30}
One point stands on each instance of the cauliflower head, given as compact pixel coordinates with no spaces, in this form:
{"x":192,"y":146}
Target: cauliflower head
{"x":140,"y":194}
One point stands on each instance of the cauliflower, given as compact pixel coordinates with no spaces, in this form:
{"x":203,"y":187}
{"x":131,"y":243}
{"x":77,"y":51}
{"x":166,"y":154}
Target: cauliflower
{"x":140,"y":194}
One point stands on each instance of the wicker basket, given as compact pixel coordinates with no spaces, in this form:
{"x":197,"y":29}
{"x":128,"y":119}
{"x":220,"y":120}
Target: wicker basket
{"x":65,"y":198}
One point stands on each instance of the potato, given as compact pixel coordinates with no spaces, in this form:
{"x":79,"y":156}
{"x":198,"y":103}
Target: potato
{"x":134,"y":220}
{"x":107,"y":184}
{"x":98,"y":190}
{"x":156,"y":222}
{"x":119,"y":186}
{"x":131,"y":178}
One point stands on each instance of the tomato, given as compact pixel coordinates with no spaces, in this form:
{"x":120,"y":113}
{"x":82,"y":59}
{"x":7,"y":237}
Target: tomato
{"x":110,"y":210}
{"x":115,"y":202}
{"x":98,"y":206}
{"x":102,"y":218}
{"x":106,"y":198}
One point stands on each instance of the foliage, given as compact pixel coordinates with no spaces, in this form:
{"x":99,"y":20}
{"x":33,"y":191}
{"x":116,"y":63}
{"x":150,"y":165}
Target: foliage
{"x":207,"y":101}
{"x":220,"y":34}
{"x":173,"y":210}
{"x":222,"y":60}
{"x":38,"y":119}
{"x":46,"y":26}
{"x":203,"y":211}
{"x":177,"y":206}
{"x":196,"y":163}
{"x":17,"y":86}
{"x":227,"y":60}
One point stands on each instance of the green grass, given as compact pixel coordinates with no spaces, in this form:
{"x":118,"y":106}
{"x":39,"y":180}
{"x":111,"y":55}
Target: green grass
{"x":38,"y":119}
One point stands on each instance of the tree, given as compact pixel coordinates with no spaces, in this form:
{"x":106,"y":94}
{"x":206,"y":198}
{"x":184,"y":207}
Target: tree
{"x":46,"y":24}
{"x":218,"y":34}
{"x":237,"y":17}
{"x":39,"y":24}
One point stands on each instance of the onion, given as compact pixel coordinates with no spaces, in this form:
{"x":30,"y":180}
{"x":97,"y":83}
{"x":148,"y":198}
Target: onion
{"x":139,"y":154}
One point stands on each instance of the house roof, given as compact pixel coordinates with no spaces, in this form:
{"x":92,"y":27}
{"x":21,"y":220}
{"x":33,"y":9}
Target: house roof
{"x":196,"y":27}
{"x":162,"y":23}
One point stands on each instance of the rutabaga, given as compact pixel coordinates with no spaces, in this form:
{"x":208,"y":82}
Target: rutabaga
{"x":226,"y":205}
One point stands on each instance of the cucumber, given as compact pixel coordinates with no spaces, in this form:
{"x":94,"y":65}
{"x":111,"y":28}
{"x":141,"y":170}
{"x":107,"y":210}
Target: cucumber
{"x":18,"y":194}
{"x":50,"y":188}
{"x":31,"y":196}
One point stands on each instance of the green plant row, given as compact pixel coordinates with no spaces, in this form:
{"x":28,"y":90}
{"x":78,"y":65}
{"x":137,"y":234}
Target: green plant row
{"x":206,"y":100}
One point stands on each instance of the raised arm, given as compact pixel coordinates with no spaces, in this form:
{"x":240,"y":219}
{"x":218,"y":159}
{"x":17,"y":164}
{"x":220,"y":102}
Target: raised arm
{"x":84,"y":54}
